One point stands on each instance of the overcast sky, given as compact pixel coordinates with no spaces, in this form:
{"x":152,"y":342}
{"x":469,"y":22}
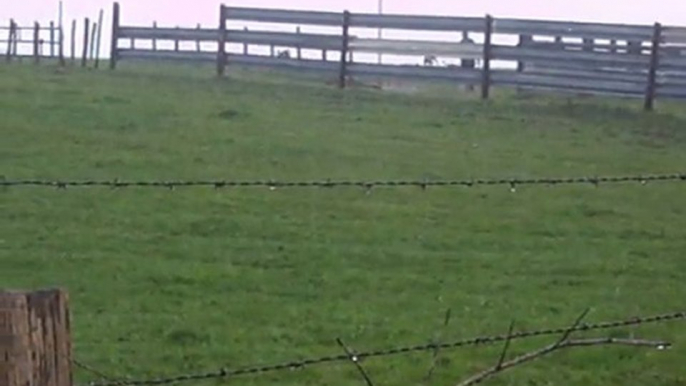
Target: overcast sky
{"x":191,"y":12}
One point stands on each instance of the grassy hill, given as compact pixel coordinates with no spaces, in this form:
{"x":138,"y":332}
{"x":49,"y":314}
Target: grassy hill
{"x":165,"y":282}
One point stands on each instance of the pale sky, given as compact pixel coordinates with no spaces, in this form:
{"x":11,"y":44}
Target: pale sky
{"x":190,"y":12}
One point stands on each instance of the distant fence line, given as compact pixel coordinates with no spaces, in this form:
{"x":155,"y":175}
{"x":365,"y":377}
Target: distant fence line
{"x":48,"y":42}
{"x":15,"y":36}
{"x":586,"y":58}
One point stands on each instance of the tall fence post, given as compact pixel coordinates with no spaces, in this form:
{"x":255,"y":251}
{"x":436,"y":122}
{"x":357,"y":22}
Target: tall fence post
{"x":35,"y":339}
{"x":91,"y":50}
{"x":197,"y":42}
{"x":52,"y":39}
{"x":221,"y":52}
{"x":114,"y":51}
{"x":36,"y":43}
{"x":654,"y":64}
{"x":9,"y":41}
{"x":299,"y":50}
{"x":245,"y":45}
{"x":86,"y":28}
{"x":61,"y":47}
{"x":343,"y":73}
{"x":486,"y":72}
{"x":98,"y":39}
{"x":176,"y":42}
{"x":15,"y":44}
{"x":154,"y":40}
{"x":73,"y":42}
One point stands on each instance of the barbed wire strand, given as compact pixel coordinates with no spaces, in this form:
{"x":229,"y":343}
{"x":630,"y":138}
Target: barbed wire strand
{"x":483,"y":340}
{"x":274,"y":184}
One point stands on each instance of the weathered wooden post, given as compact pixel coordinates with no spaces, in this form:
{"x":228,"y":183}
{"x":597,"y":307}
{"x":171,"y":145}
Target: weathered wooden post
{"x":86,"y":27}
{"x":221,"y":52}
{"x":35,"y":341}
{"x":245,"y":45}
{"x":154,"y":39}
{"x":343,"y":72}
{"x":114,"y":51}
{"x":36,"y":43}
{"x":73,"y":42}
{"x":651,"y":88}
{"x":176,"y":41}
{"x":52,"y":39}
{"x":9,"y":40}
{"x":98,"y":39}
{"x":197,"y":42}
{"x":486,"y":72}
{"x":91,"y":50}
{"x":298,"y":48}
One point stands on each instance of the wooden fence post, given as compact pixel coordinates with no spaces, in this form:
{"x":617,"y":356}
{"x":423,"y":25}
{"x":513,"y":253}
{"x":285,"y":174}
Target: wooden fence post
{"x":35,"y":339}
{"x":176,"y":42}
{"x":298,"y":48}
{"x":52,"y":39}
{"x":197,"y":42}
{"x":245,"y":45}
{"x":98,"y":39}
{"x":9,"y":41}
{"x":654,"y":64}
{"x":343,"y":73}
{"x":114,"y":51}
{"x":36,"y":42}
{"x":15,"y":43}
{"x":154,"y":40}
{"x":86,"y":27}
{"x":73,"y":42}
{"x":60,"y":51}
{"x":486,"y":72}
{"x":221,"y":52}
{"x":91,"y":49}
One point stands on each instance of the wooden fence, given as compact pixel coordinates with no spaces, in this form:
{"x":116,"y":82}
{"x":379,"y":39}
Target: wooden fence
{"x":641,"y":61}
{"x":45,"y":41}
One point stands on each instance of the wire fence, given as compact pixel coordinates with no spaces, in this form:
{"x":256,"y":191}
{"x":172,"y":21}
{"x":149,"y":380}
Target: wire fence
{"x":357,"y":358}
{"x":274,"y":184}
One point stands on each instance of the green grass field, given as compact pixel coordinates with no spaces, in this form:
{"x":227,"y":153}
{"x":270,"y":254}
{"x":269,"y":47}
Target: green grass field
{"x":166,"y":282}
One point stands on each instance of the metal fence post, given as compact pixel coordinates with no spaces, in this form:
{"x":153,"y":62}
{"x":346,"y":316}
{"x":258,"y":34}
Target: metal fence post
{"x":651,"y":88}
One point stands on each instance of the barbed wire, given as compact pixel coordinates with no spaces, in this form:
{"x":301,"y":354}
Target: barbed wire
{"x":218,"y":184}
{"x":483,"y":340}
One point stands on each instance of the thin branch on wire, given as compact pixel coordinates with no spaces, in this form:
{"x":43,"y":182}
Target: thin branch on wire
{"x":483,"y":340}
{"x":660,"y":345}
{"x":92,"y":370}
{"x":356,"y":361}
{"x":436,"y":353}
{"x":367,"y":185}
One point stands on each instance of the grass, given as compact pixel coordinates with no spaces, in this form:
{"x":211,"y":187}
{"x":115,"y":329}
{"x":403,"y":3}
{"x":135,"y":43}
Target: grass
{"x":196,"y":279}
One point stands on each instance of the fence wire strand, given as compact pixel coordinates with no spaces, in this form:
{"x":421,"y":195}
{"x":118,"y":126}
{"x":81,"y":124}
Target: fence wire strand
{"x":218,"y":184}
{"x":483,"y":340}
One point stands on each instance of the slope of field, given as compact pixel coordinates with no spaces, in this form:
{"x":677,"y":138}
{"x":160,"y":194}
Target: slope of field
{"x":165,"y":282}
